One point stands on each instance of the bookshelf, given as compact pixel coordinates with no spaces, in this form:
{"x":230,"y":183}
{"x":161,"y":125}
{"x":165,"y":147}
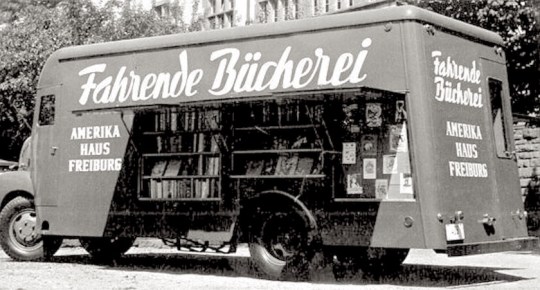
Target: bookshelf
{"x":181,"y":156}
{"x":278,"y":140}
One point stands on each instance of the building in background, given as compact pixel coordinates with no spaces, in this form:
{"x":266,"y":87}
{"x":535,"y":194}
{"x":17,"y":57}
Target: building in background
{"x":217,"y":14}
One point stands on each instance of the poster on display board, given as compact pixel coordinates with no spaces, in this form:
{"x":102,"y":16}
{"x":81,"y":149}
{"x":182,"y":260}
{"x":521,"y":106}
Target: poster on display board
{"x":373,"y":114}
{"x":381,"y":188}
{"x":354,"y":184}
{"x":405,"y":184}
{"x":349,"y":153}
{"x":390,"y":164}
{"x":370,"y":168}
{"x":369,"y":144}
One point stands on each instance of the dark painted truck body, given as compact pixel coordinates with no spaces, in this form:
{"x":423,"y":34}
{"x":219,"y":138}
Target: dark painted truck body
{"x":387,"y":129}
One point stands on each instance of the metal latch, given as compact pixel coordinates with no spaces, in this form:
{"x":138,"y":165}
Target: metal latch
{"x":521,"y":214}
{"x":487,"y":220}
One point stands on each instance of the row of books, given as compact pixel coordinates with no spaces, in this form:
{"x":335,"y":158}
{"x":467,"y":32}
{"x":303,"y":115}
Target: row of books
{"x":289,"y":113}
{"x":264,"y":142}
{"x":196,"y":142}
{"x":184,"y":188}
{"x":187,"y":121}
{"x":206,"y":165}
{"x":283,"y":165}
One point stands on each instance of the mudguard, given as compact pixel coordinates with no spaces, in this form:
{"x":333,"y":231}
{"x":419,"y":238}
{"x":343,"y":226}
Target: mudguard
{"x":15,"y":181}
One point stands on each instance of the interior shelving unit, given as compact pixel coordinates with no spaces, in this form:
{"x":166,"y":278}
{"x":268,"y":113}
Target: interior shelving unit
{"x":278,"y":140}
{"x":182,"y":157}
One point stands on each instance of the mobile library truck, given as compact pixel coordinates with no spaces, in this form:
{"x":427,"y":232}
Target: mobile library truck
{"x":360,"y":136}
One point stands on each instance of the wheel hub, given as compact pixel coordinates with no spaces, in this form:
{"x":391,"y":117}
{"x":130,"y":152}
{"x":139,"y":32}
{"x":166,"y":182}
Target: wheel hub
{"x":24,"y":229}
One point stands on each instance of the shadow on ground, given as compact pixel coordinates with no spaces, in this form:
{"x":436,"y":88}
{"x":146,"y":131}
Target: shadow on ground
{"x":408,"y":275}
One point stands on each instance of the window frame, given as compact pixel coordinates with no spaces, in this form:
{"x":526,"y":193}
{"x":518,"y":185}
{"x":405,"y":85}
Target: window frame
{"x":504,"y":149}
{"x":47,"y":120}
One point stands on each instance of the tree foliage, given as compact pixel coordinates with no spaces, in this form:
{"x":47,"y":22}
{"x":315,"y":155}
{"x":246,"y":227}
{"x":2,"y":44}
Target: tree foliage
{"x":515,"y":21}
{"x":37,"y":30}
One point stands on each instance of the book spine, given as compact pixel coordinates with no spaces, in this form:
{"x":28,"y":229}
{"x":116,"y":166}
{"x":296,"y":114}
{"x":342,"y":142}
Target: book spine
{"x":174,"y":121}
{"x":153,"y":188}
{"x":159,"y":189}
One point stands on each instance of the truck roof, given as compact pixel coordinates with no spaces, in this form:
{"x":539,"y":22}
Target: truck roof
{"x":383,"y":15}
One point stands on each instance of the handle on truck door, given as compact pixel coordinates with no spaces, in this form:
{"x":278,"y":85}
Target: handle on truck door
{"x":53,"y":150}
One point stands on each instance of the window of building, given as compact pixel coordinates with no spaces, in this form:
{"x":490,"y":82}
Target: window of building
{"x":212,"y":6}
{"x":274,"y":10}
{"x":338,"y":4}
{"x":327,"y":6}
{"x":163,"y":10}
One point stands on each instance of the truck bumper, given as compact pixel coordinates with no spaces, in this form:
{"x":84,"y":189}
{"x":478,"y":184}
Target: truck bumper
{"x":515,"y":244}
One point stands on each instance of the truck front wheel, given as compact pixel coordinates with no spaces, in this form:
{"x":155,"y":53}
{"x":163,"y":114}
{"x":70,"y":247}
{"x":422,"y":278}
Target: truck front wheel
{"x":106,"y":249}
{"x":281,"y":247}
{"x":20,"y":237}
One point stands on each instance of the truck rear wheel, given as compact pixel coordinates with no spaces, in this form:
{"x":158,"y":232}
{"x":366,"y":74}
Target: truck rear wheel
{"x":280,"y":249}
{"x":20,"y":237}
{"x":106,"y":249}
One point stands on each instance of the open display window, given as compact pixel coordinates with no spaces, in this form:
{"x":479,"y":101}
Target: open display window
{"x":181,"y":153}
{"x":354,"y":141}
{"x":280,"y":143}
{"x":372,"y":130}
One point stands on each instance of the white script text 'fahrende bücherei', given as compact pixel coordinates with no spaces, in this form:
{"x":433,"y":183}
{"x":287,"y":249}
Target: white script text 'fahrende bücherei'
{"x":234,"y":74}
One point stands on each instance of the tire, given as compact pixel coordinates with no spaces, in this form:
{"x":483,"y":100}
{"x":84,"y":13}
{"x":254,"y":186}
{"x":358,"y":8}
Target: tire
{"x":280,"y":250}
{"x":106,"y":249}
{"x":20,"y":237}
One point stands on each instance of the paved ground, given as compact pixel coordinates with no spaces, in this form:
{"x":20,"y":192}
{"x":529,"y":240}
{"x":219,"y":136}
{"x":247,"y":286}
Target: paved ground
{"x":146,"y":267}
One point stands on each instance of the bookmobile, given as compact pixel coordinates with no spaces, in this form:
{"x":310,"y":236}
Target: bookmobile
{"x":359,"y":136}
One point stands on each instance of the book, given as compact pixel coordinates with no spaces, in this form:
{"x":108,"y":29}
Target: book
{"x":193,"y":121}
{"x":286,"y":165}
{"x":174,"y":121}
{"x":214,"y":145}
{"x":173,"y":168}
{"x":205,"y":188}
{"x":153,"y":188}
{"x":184,"y":188}
{"x":212,"y":119}
{"x":159,"y":189}
{"x":187,"y":119}
{"x":195,"y":145}
{"x":212,"y":188}
{"x":163,"y":120}
{"x":188,"y":167}
{"x":254,"y":167}
{"x":157,"y":121}
{"x":305,"y":164}
{"x":159,"y":168}
{"x":165,"y":185}
{"x":201,"y":148}
{"x":198,"y":191}
{"x":159,"y":144}
{"x":269,"y":167}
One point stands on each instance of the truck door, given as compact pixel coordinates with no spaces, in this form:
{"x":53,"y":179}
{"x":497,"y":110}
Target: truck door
{"x":45,"y":157}
{"x":506,"y":175}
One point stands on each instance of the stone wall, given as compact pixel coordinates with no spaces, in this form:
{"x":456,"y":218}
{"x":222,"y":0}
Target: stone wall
{"x":527,"y":139}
